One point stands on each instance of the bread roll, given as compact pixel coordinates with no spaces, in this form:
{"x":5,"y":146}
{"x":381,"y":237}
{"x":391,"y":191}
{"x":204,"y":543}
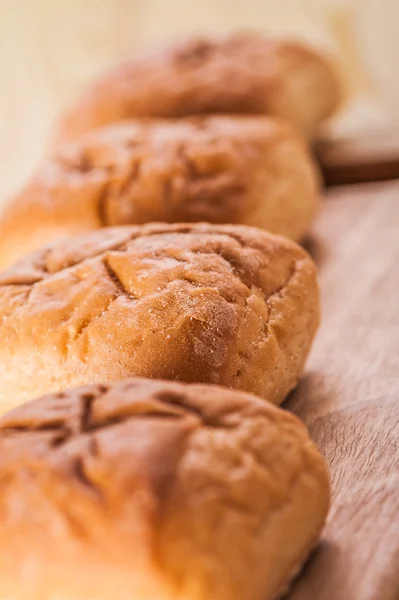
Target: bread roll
{"x":197,"y":303}
{"x":153,"y":490}
{"x":248,"y":170}
{"x":241,"y":73}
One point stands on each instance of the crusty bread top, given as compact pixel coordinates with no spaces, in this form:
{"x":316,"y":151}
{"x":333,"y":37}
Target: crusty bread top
{"x":204,"y":168}
{"x":240,"y":248}
{"x":144,"y":483}
{"x":249,"y":170}
{"x":202,"y":303}
{"x":240,"y":73}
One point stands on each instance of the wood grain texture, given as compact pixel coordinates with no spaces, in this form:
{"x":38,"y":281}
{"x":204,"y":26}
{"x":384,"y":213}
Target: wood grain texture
{"x":350,"y":396}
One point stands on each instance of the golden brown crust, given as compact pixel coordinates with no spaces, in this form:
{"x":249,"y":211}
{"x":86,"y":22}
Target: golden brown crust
{"x":241,"y":73}
{"x":246,"y":170}
{"x":155,"y":490}
{"x":198,"y":303}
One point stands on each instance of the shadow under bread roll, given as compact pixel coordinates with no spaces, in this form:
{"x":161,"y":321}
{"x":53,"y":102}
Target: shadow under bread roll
{"x":244,"y":170}
{"x":241,"y":73}
{"x":191,"y":302}
{"x":154,"y":490}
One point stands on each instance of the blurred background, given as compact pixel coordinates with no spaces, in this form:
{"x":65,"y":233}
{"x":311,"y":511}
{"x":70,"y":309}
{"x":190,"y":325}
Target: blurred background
{"x":49,"y":48}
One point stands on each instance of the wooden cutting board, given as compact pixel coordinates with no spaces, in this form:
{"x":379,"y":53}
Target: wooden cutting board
{"x":369,"y":157}
{"x":349,"y":397}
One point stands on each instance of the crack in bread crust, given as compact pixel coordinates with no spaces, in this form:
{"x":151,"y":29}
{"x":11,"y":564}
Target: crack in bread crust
{"x":115,"y":279}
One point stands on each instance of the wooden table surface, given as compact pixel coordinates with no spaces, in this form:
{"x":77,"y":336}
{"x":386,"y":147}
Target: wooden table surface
{"x":349,"y":397}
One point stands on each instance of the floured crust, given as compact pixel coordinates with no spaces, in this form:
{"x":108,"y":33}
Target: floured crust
{"x":198,"y":303}
{"x":245,"y":170}
{"x":155,"y":490}
{"x":240,"y":73}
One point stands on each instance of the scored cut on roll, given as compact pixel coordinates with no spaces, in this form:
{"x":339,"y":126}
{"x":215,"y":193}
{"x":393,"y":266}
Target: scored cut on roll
{"x":157,"y":491}
{"x":246,"y":170}
{"x":241,"y":73}
{"x":231,"y":305}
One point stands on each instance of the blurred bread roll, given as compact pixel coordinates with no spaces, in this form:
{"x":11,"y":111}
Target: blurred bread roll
{"x":241,"y":73}
{"x":248,"y":170}
{"x":221,"y":304}
{"x":157,"y":491}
